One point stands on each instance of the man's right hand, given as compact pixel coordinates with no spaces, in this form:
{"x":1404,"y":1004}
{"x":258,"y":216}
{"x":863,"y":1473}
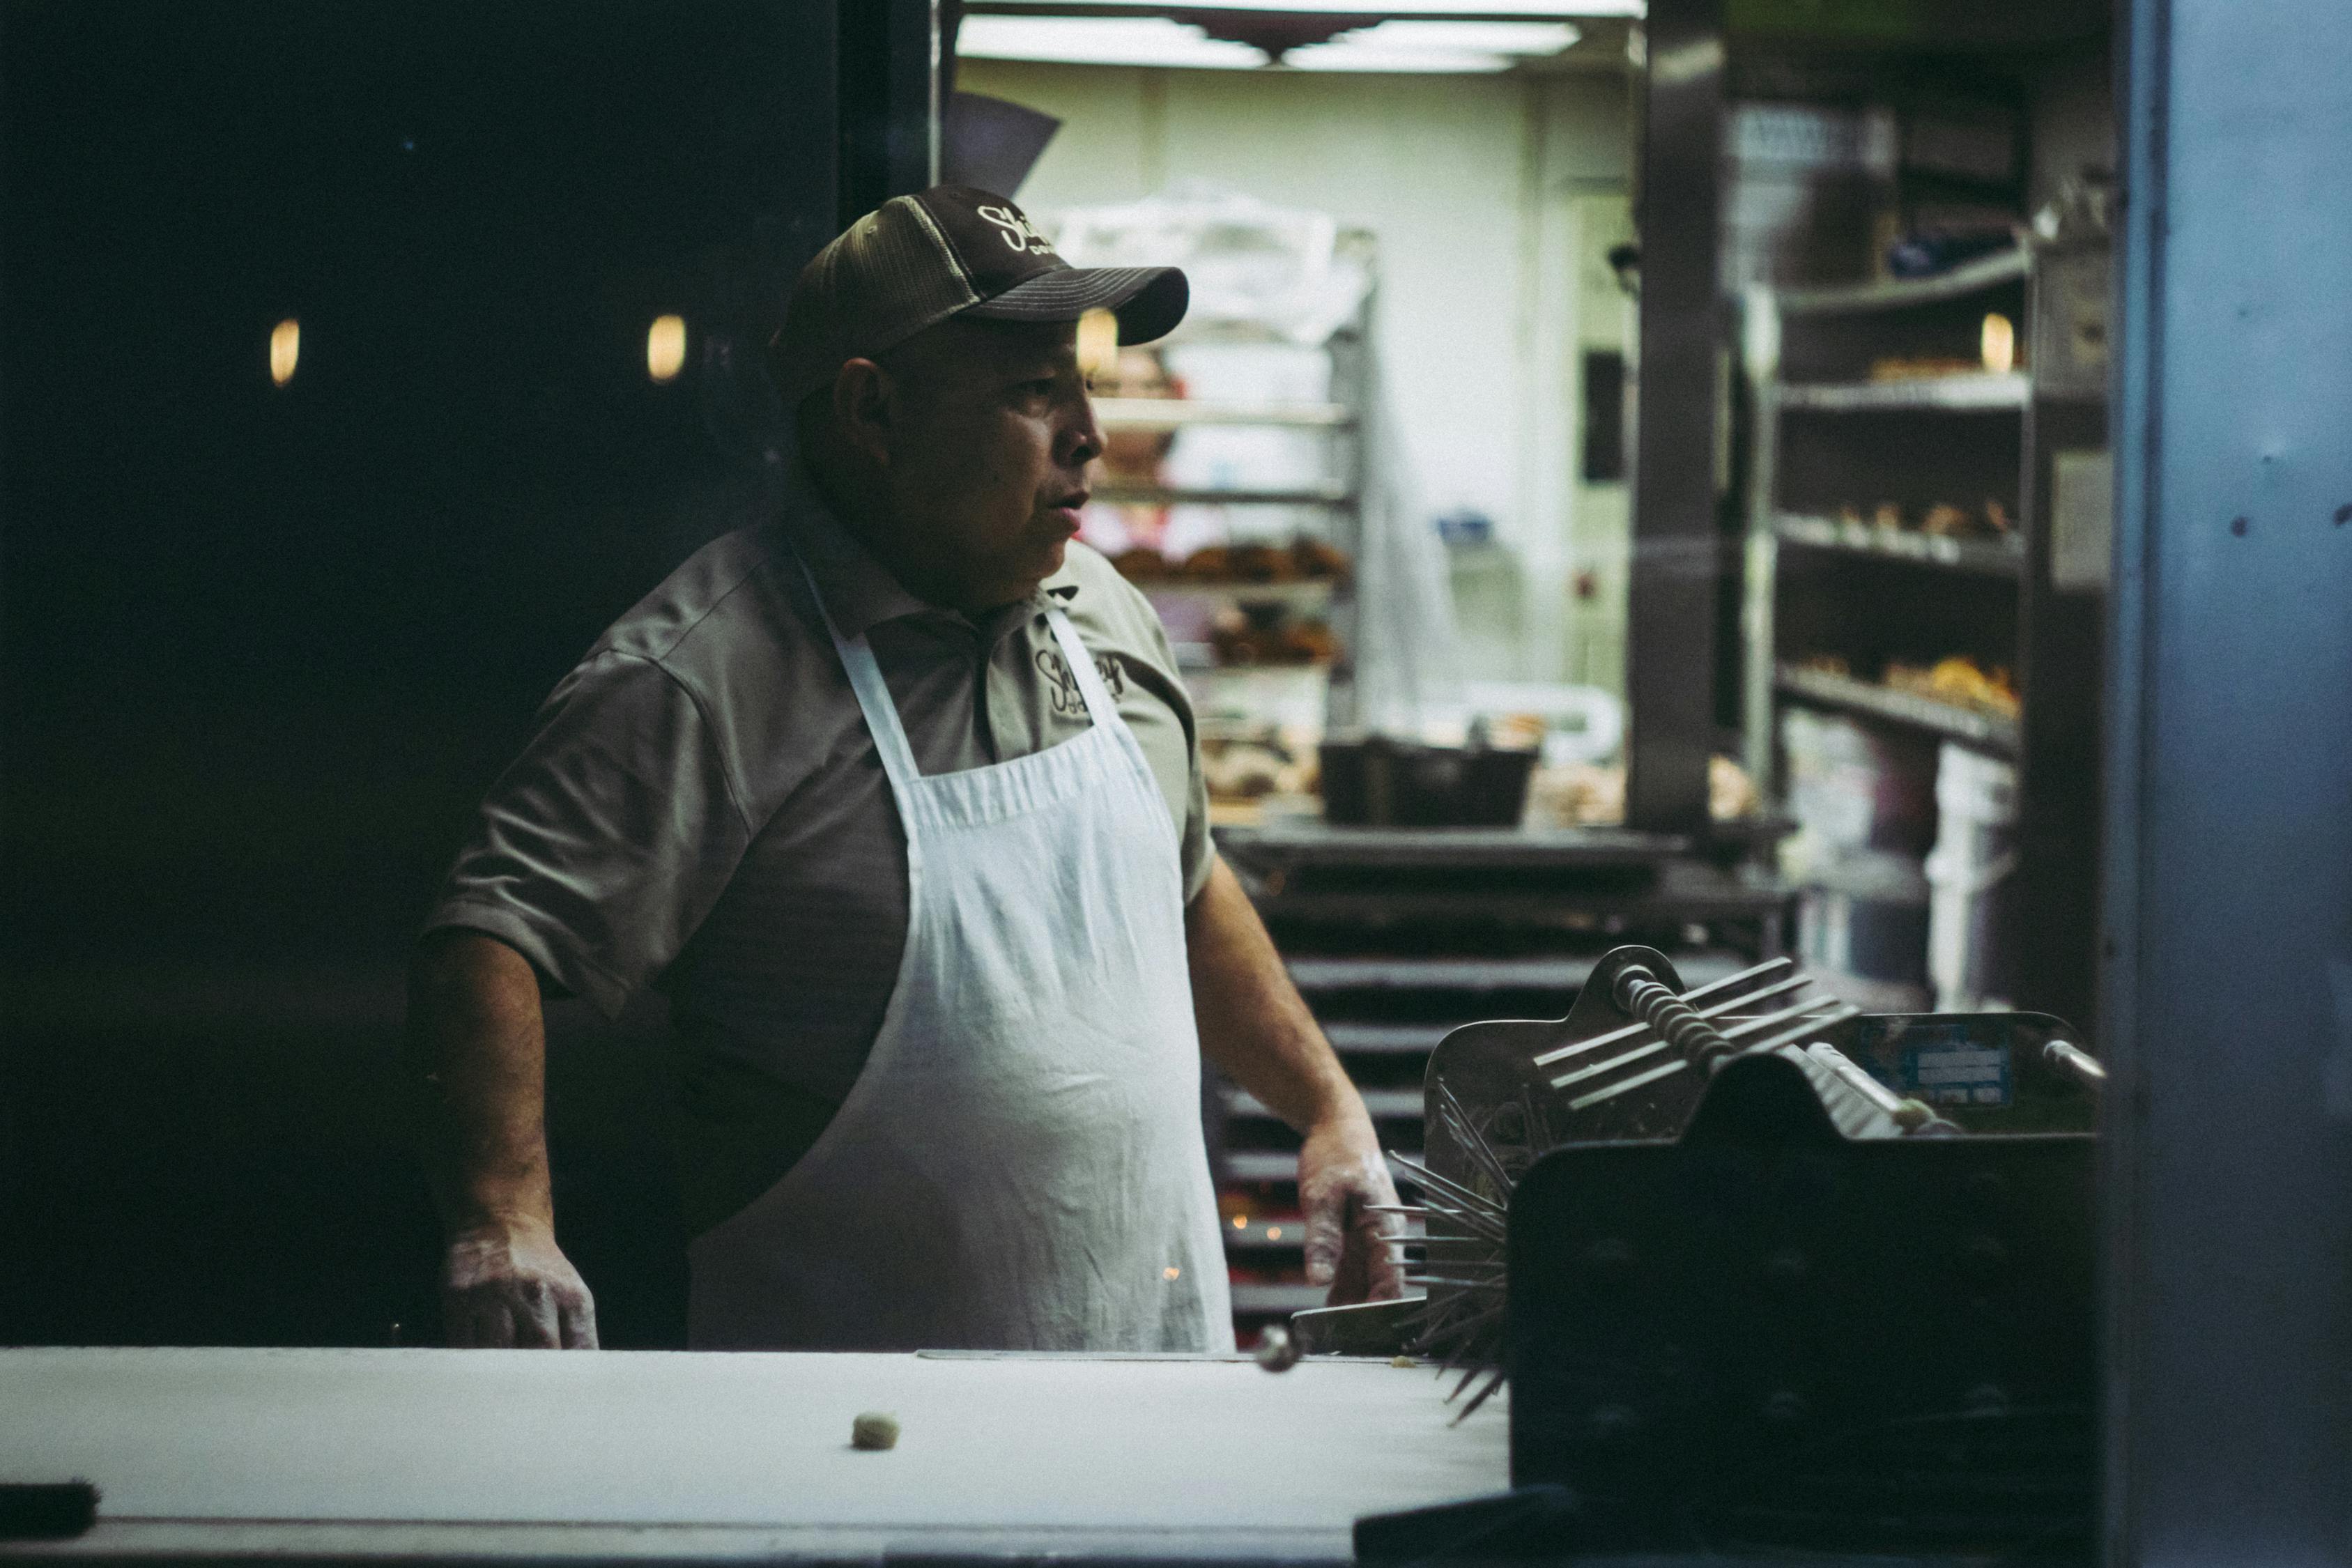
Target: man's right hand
{"x":505,"y":1285}
{"x":477,"y":1056}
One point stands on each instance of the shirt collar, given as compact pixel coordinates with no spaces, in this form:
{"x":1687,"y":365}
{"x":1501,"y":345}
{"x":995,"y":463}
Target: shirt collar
{"x":860,"y":592}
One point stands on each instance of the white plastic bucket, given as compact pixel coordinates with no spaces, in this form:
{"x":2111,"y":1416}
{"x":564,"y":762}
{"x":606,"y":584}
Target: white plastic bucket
{"x":1976,"y":836}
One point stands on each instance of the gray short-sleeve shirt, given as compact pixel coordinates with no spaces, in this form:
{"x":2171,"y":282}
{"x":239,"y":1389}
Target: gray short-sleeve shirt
{"x":702,"y":811}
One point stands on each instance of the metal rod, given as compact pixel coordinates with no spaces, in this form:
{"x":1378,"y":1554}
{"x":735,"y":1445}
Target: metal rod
{"x":1636,"y":1081}
{"x":1545,"y":1058}
{"x":2074,"y":1059}
{"x":1790,"y":1036}
{"x":1746,"y":1026}
{"x":1597,"y":1069}
{"x":1500,"y":1377}
{"x":1487,"y":1223}
{"x":1424,"y":1177}
{"x":1472,"y":1141}
{"x":1712,"y":986}
{"x":1636,"y":989}
{"x":1855,"y":1078}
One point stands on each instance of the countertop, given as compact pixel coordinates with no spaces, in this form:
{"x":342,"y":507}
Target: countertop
{"x":426,"y":1454}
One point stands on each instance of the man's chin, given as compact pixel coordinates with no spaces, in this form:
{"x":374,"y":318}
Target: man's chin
{"x":1020,"y":581}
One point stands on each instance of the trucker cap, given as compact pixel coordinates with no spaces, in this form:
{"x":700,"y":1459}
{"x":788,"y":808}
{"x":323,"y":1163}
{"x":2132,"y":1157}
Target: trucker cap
{"x":952,"y":250}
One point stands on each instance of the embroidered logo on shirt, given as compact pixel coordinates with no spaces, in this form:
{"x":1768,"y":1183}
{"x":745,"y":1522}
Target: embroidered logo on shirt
{"x":1068,"y":701}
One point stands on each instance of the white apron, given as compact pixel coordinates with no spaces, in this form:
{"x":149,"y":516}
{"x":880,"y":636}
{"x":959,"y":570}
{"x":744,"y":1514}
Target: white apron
{"x":1019,"y":1166}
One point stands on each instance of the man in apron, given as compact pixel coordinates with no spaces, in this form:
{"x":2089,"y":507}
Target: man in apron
{"x":897,"y":798}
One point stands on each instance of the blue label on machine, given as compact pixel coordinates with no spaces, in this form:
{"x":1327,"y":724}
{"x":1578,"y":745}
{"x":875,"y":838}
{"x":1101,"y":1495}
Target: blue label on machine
{"x":1955,"y":1070}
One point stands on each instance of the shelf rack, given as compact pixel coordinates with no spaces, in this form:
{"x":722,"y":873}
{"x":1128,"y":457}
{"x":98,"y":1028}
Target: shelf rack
{"x":1906,"y":294}
{"x":1313,"y":593}
{"x":1818,"y":420}
{"x":1985,"y":392}
{"x":1335,"y":493}
{"x":1996,"y":557}
{"x":1987,"y":732}
{"x":1337,"y":499}
{"x":1161,"y":413}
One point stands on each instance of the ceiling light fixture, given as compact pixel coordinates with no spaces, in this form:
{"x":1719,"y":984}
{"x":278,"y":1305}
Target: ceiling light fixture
{"x":1571,"y":10}
{"x":1422,"y":46}
{"x":1101,"y":41}
{"x":666,"y":347}
{"x":285,"y":350}
{"x":1464,"y":47}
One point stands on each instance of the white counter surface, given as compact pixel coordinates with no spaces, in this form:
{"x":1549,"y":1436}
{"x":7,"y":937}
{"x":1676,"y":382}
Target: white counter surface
{"x":425,"y":1453}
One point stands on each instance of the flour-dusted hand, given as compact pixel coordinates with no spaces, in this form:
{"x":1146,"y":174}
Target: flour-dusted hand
{"x":1256,"y":1027}
{"x":507,"y":1286}
{"x":1342,"y":1180}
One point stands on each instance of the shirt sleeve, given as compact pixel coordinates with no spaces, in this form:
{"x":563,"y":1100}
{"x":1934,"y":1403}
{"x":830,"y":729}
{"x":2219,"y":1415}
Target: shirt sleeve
{"x":601,"y":848}
{"x":1194,"y":847}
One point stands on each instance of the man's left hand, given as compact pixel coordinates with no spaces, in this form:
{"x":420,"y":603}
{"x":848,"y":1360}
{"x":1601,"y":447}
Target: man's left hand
{"x":1341,"y":1179}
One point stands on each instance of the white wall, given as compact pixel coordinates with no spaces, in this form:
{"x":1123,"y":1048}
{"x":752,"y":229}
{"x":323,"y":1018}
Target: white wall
{"x":1485,"y":194}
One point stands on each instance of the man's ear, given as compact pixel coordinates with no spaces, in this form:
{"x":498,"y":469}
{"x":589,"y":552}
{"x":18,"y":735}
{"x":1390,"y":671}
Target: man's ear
{"x":863,"y":408}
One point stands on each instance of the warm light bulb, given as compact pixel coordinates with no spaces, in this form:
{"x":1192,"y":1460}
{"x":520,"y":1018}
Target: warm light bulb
{"x":285,"y":348}
{"x":2000,"y":344}
{"x":1171,"y":1273}
{"x":1098,"y":342}
{"x":666,"y":347}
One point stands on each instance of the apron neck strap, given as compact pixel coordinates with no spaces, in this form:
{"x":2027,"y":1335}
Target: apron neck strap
{"x":864,"y":674}
{"x":1100,"y":708}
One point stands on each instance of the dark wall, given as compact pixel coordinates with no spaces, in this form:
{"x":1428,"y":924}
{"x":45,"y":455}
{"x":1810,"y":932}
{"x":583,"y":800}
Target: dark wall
{"x":262,"y":648}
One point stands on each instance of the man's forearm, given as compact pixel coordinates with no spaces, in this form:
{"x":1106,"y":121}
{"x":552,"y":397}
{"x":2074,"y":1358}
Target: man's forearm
{"x":478,"y":1056}
{"x":1254,"y":1024}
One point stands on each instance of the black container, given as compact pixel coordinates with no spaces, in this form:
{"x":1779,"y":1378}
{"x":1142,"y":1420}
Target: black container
{"x":1384,"y":783}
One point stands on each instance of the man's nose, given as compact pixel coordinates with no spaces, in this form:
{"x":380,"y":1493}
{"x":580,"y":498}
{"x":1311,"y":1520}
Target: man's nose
{"x":1082,"y":438}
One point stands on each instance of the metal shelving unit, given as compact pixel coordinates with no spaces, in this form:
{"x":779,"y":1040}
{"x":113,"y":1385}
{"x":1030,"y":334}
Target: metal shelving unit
{"x":1985,"y":393}
{"x":1336,"y":501}
{"x":1312,"y":594}
{"x":1152,"y":414}
{"x":1905,"y":293}
{"x":1999,"y":558}
{"x":1334,"y":494}
{"x":1829,"y":438}
{"x":1991,"y":732}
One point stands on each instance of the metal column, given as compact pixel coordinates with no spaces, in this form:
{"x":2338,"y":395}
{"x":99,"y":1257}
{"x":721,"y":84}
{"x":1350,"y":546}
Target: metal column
{"x":1676,"y":556}
{"x":2228,"y":988}
{"x":889,"y":102}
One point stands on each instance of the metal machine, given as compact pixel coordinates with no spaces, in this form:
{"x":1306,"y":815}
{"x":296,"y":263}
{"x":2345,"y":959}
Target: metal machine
{"x":1763,"y":1271}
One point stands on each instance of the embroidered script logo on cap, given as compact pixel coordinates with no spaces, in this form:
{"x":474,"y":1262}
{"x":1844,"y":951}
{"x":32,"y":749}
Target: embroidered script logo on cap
{"x":1013,"y":227}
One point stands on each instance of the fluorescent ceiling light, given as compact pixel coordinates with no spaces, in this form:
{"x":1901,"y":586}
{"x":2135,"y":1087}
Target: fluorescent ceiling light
{"x":1479,"y":37}
{"x":1460,"y":47}
{"x":1346,"y":54}
{"x":1100,"y":41}
{"x":1561,"y":8}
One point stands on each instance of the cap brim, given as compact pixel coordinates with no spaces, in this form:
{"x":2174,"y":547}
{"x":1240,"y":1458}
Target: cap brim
{"x":1148,"y":300}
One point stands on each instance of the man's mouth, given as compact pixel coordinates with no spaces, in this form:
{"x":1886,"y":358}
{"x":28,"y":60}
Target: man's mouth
{"x":1065,"y":510}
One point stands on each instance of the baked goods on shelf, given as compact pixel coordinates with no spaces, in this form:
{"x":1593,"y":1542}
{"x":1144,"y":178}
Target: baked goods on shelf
{"x":1961,"y":682}
{"x":1958,"y":681}
{"x":1241,"y":638}
{"x":1303,"y":560}
{"x":1991,"y":520}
